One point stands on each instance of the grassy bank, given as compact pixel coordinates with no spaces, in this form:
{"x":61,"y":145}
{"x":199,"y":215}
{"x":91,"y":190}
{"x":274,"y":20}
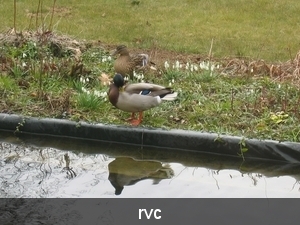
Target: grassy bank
{"x":257,"y":29}
{"x":38,"y":80}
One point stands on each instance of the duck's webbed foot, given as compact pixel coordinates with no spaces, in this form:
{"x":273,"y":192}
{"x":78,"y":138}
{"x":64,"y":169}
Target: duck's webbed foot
{"x":136,"y":122}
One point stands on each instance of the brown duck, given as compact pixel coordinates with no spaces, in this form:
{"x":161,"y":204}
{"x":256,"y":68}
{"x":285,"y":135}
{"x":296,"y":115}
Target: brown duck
{"x":125,"y":63}
{"x":137,"y":97}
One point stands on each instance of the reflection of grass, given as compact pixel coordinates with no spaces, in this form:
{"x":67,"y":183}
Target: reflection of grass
{"x":239,"y":27}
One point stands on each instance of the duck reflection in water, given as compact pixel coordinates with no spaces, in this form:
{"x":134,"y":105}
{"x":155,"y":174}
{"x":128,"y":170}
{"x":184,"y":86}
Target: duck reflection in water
{"x":125,"y":171}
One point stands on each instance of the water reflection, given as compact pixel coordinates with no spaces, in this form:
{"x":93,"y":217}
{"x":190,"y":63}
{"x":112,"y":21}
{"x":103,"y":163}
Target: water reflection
{"x":125,"y":171}
{"x":35,"y":166}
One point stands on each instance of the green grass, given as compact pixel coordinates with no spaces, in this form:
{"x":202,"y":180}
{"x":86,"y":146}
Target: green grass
{"x":257,"y":29}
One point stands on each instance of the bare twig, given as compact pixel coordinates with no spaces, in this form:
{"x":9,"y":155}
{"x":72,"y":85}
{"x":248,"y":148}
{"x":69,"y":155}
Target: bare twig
{"x":210,"y":50}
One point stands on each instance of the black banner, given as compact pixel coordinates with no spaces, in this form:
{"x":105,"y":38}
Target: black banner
{"x":149,"y":211}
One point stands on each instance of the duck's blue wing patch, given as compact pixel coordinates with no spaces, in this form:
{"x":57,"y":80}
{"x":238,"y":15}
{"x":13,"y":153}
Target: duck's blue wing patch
{"x":145,"y":92}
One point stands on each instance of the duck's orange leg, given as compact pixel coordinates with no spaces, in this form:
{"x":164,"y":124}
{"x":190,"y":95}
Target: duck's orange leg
{"x":136,"y":122}
{"x":132,"y":117}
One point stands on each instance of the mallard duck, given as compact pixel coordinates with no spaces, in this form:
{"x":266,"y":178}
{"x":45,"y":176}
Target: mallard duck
{"x":137,"y":97}
{"x":125,"y":64}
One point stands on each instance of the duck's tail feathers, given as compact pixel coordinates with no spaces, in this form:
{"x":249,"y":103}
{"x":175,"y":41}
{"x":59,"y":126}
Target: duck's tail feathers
{"x":170,"y":96}
{"x":145,"y":59}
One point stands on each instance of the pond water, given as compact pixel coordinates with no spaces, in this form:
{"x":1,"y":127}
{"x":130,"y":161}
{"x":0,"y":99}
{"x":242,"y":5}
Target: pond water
{"x":37,"y":166}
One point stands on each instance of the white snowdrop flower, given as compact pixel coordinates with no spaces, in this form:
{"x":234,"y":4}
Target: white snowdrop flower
{"x":80,"y":79}
{"x":177,"y":64}
{"x":109,"y":58}
{"x":88,"y":92}
{"x":187,"y":66}
{"x":167,"y":65}
{"x":251,"y":70}
{"x":192,"y":68}
{"x":195,"y":67}
{"x":87,"y":79}
{"x":202,"y":65}
{"x":24,"y":55}
{"x":102,"y":94}
{"x":171,"y":82}
{"x":279,"y":86}
{"x":212,"y":67}
{"x":142,"y":76}
{"x":34,"y":44}
{"x":207,"y":66}
{"x":97,"y":93}
{"x":24,"y":64}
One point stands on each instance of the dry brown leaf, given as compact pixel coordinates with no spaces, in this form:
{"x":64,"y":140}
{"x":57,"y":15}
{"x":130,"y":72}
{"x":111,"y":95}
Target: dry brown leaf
{"x":105,"y":79}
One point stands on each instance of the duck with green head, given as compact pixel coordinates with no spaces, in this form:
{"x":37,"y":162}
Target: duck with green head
{"x":125,"y":63}
{"x":137,"y":97}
